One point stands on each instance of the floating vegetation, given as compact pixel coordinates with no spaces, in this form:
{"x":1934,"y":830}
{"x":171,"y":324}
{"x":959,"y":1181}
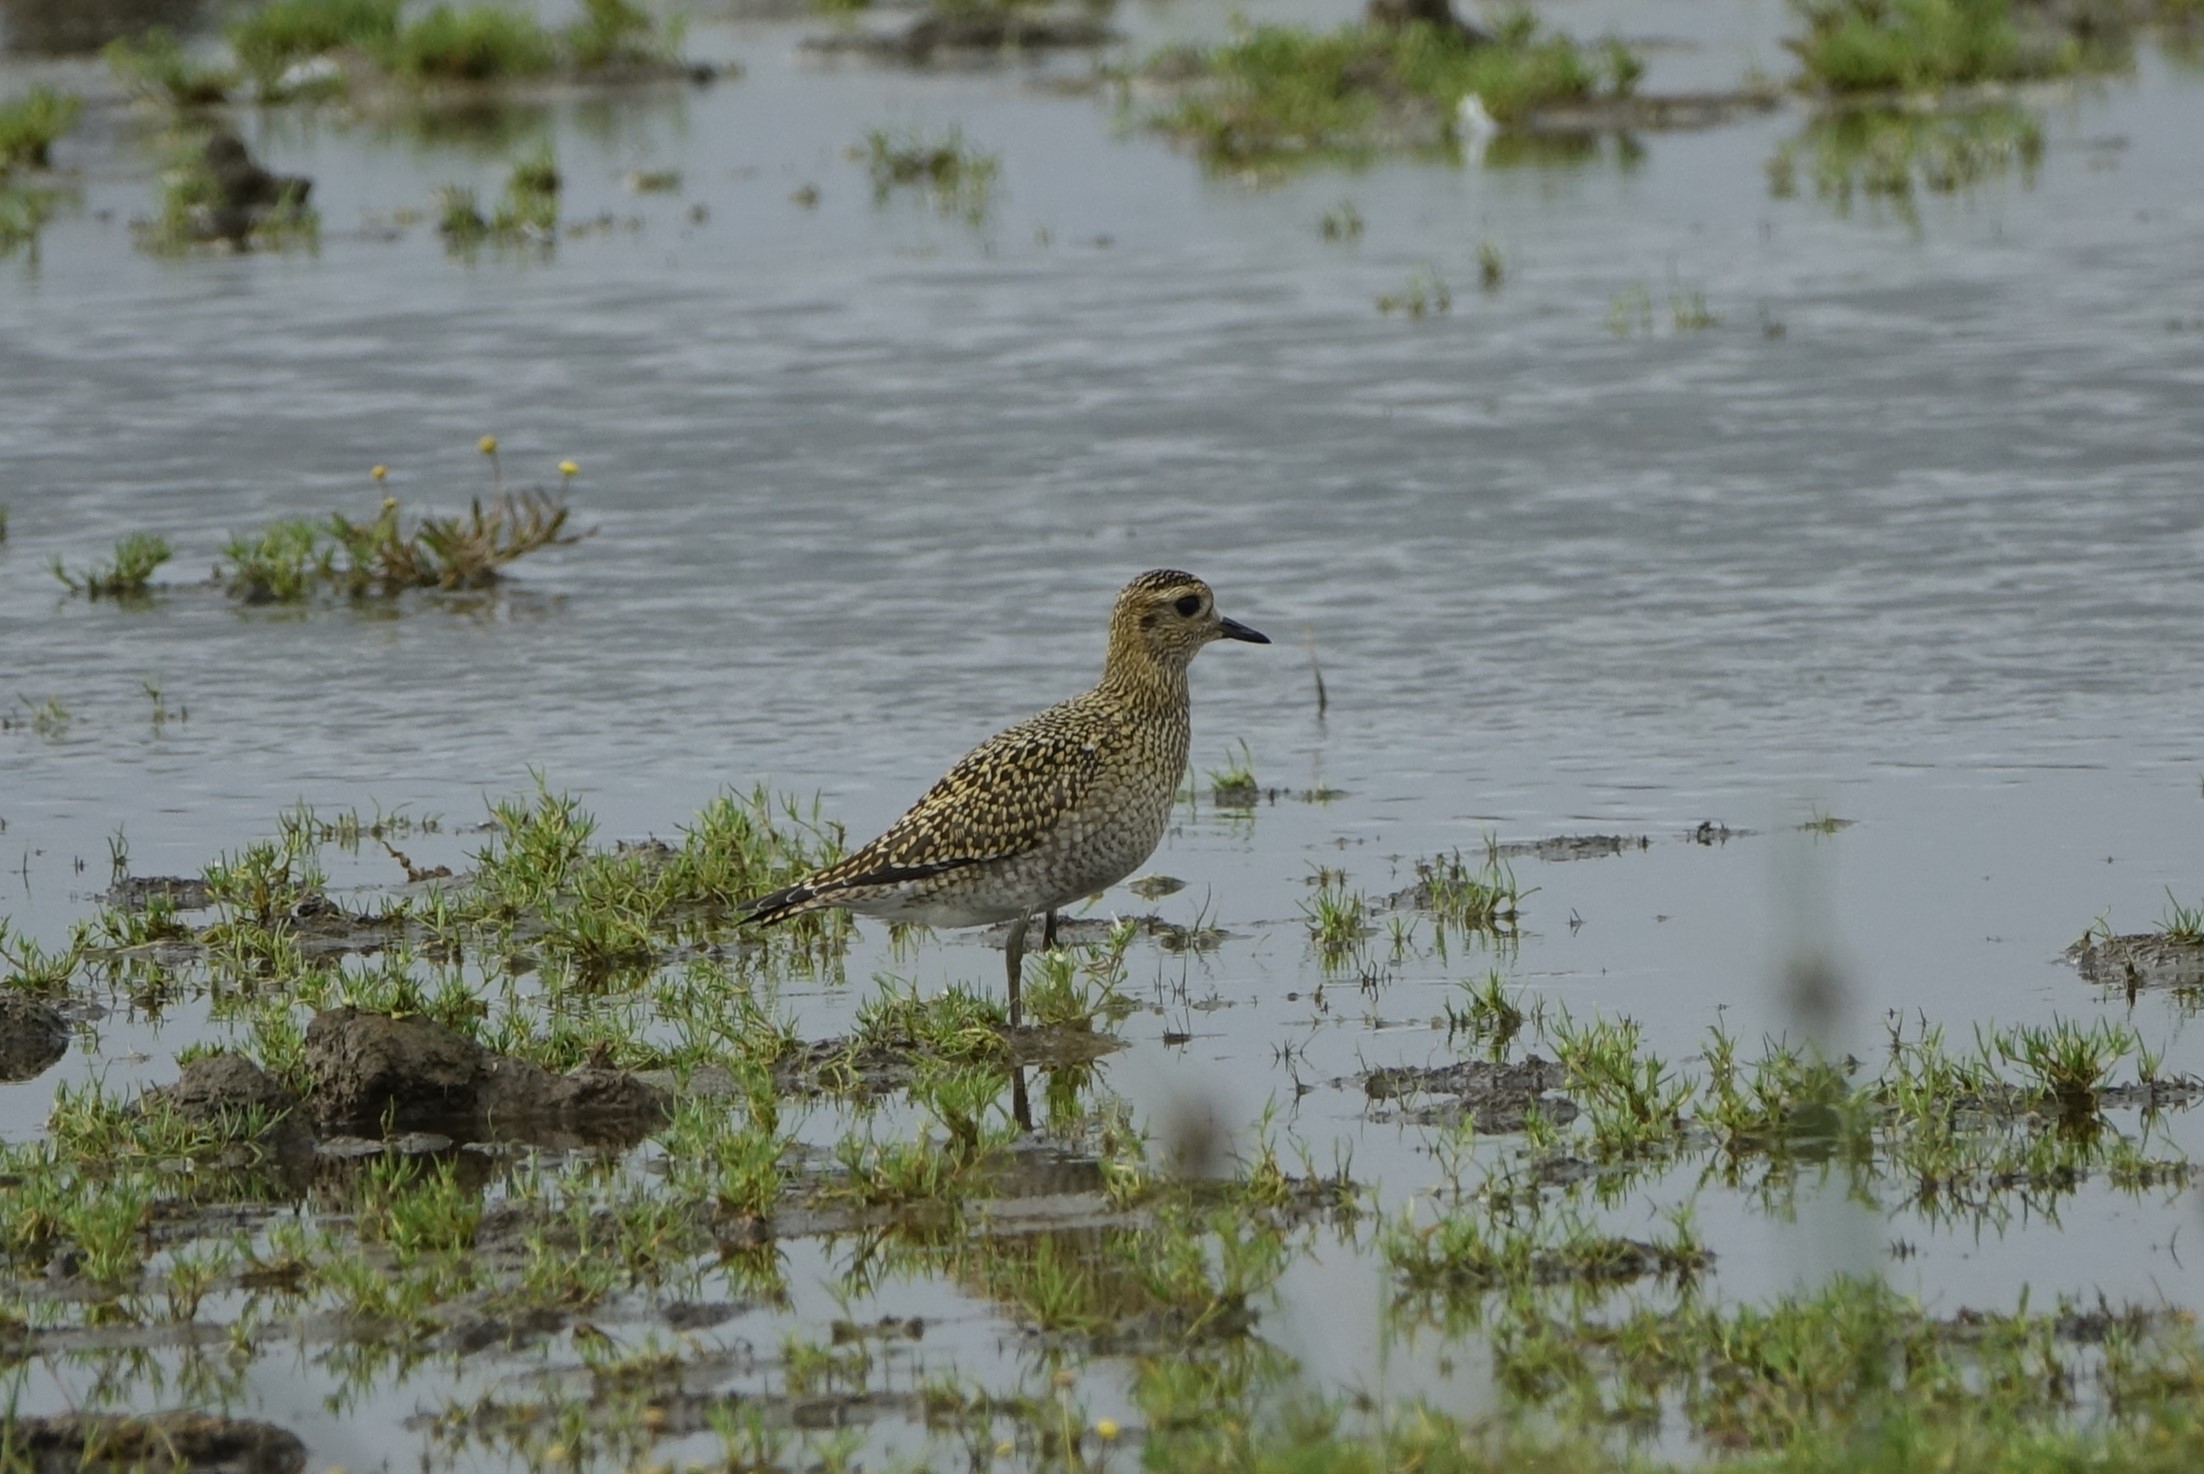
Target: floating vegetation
{"x":1688,"y":313}
{"x":1277,"y":92}
{"x":959,"y":178}
{"x":296,"y":558}
{"x":1891,"y":157}
{"x":1924,"y":45}
{"x":1341,"y":224}
{"x":1425,"y":295}
{"x":125,"y":576}
{"x":1631,"y":312}
{"x":1492,"y":268}
{"x":30,"y":124}
{"x":527,"y":211}
{"x":48,"y":718}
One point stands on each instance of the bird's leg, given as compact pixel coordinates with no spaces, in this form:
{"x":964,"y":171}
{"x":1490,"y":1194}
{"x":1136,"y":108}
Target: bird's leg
{"x":1048,"y":931}
{"x":1021,"y":1108}
{"x":1014,"y":953}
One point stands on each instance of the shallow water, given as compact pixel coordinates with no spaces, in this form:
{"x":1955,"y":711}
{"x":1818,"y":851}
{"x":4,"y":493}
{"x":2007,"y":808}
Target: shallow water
{"x":864,"y":479}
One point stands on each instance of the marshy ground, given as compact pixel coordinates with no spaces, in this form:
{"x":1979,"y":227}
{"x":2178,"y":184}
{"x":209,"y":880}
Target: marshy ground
{"x":1685,"y":951}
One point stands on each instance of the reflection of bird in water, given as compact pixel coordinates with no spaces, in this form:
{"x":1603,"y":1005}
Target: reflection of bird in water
{"x":1062,"y":805}
{"x":244,"y":192}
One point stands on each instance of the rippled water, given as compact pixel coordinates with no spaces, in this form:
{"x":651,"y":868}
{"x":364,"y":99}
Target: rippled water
{"x":1909,"y":536}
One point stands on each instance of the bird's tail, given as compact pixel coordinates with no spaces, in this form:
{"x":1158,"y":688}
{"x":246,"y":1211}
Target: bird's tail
{"x":792,"y":900}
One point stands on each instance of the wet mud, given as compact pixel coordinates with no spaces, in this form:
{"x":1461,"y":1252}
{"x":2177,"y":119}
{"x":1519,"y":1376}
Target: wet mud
{"x":1493,"y":1096}
{"x":33,"y":1036}
{"x":1571,"y":847}
{"x":370,"y":1069}
{"x":968,"y":34}
{"x":2144,"y":960}
{"x":157,"y":1443}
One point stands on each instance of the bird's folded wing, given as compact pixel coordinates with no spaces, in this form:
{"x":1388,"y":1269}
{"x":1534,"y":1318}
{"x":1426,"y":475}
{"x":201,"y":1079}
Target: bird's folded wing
{"x":1002,"y":799}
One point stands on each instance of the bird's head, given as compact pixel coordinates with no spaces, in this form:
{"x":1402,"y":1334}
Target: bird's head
{"x":1164,"y":617}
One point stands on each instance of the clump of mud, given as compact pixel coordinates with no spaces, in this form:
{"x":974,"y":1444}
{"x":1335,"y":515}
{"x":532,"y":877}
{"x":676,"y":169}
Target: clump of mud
{"x":1571,"y":847}
{"x":33,"y":1036}
{"x":1494,"y":1096}
{"x":371,"y":1070}
{"x":2143,"y":960}
{"x":971,"y":31}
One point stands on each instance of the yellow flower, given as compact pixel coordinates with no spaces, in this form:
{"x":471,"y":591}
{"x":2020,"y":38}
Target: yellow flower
{"x":568,"y":468}
{"x":1003,"y":1450}
{"x":1106,"y":1429}
{"x":378,"y":471}
{"x":488,"y":445}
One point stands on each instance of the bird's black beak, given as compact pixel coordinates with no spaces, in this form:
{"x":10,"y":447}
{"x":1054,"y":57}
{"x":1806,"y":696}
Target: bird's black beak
{"x":1232,"y":629}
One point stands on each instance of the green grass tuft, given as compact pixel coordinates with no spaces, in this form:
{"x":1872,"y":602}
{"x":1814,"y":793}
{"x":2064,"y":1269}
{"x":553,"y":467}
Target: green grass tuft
{"x":30,"y":124}
{"x":126,"y":575}
{"x":1923,"y":45}
{"x":283,"y":33}
{"x":475,"y":44}
{"x":294,"y":559}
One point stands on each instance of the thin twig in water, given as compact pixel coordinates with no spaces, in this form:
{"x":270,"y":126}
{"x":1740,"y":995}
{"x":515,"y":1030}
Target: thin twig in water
{"x":1309,"y":634}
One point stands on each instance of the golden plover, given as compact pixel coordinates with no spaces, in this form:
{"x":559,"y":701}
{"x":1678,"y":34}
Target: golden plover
{"x":1060,"y":806}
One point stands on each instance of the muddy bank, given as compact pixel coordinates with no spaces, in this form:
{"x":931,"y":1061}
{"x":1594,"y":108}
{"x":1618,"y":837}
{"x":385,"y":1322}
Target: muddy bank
{"x":156,"y":1443}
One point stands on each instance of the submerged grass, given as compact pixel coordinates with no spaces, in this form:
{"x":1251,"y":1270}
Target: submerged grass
{"x":1274,"y":91}
{"x":24,"y":211}
{"x":527,"y":212}
{"x":126,"y":576}
{"x":959,"y":178}
{"x":1892,"y":157}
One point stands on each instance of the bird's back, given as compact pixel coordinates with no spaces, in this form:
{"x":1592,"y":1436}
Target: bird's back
{"x":1063,"y":804}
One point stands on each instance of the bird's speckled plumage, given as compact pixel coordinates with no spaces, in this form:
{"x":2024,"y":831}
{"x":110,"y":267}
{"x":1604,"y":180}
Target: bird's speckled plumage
{"x":1064,"y":804}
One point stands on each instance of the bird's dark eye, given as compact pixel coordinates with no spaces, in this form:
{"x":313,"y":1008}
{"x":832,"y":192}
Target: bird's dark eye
{"x":1189,"y":606}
